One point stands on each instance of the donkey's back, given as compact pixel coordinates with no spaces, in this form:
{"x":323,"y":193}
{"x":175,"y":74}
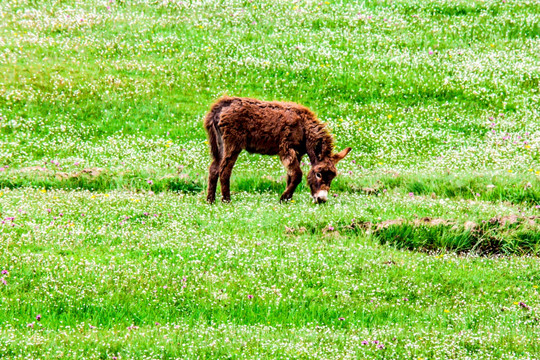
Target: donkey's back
{"x":258,"y":126}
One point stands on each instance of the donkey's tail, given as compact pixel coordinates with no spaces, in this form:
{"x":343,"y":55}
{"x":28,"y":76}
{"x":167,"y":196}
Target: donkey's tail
{"x":211,"y":124}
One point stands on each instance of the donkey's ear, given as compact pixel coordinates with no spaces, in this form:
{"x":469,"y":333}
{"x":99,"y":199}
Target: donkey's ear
{"x":340,"y":155}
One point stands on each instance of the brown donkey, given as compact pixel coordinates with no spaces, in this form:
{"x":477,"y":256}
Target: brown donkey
{"x":270,"y":128}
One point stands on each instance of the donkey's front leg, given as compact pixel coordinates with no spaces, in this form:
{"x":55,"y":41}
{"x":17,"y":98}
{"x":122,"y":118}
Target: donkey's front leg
{"x":294,"y":174}
{"x":295,"y":179}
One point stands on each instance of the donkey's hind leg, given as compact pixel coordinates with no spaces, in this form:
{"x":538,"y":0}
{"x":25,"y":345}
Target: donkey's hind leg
{"x":213,"y":174}
{"x":225,"y":171}
{"x":216,"y":146}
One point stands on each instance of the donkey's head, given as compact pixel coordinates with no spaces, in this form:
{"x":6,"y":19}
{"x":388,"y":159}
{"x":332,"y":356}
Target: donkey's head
{"x":321,"y":175}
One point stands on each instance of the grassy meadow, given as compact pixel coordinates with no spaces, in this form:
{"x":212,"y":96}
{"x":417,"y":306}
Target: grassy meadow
{"x":427,"y":249}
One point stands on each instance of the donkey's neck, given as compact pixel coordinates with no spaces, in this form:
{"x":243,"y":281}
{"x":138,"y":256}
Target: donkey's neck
{"x":319,"y":142}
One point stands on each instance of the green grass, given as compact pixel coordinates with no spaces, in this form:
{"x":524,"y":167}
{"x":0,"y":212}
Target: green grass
{"x":134,"y":259}
{"x":427,"y":249}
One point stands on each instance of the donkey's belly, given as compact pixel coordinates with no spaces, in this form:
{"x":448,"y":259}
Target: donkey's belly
{"x":263,"y":149}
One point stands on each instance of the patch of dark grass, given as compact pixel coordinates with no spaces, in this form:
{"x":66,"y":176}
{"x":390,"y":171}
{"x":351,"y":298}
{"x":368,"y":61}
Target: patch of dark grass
{"x":103,"y":182}
{"x":517,"y":190}
{"x":425,"y":238}
{"x":486,"y":238}
{"x":495,"y":188}
{"x":178,"y":185}
{"x":259,"y":185}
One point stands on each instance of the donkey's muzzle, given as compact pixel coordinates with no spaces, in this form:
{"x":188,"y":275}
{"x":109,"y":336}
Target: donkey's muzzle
{"x":320,"y":196}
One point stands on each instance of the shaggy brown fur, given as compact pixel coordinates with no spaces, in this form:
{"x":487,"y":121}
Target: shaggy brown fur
{"x":270,"y":128}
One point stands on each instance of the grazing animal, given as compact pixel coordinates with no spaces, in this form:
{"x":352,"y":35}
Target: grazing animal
{"x":270,"y":128}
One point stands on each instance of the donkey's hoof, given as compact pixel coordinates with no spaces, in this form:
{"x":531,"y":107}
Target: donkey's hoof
{"x":285,"y":198}
{"x":226,"y":200}
{"x":210,"y":200}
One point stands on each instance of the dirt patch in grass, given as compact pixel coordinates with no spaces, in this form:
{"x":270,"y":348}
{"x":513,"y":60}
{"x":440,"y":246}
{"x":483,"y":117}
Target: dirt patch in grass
{"x":508,"y":234}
